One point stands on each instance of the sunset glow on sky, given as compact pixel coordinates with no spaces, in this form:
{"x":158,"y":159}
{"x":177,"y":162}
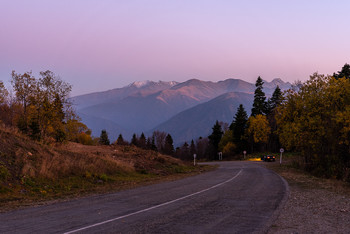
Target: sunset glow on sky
{"x":99,"y":45}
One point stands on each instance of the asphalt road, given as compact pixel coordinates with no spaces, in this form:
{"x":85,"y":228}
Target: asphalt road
{"x":238,"y":197}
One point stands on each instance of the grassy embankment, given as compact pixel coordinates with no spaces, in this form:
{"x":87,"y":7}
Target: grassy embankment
{"x":33,"y":172}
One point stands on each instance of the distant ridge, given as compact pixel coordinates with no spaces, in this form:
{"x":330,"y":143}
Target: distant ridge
{"x":144,"y":106}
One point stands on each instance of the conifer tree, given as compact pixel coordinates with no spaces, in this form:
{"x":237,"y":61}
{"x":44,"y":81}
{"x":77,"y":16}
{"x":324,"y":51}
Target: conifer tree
{"x":273,"y":103}
{"x":193,"y":148}
{"x":215,"y":137}
{"x":120,"y":140}
{"x":153,"y":144}
{"x":134,"y":140}
{"x":142,"y":141}
{"x":345,"y":72}
{"x":185,"y":152}
{"x":148,"y":143}
{"x":168,"y":146}
{"x":275,"y":100}
{"x":104,"y":138}
{"x":259,"y":104}
{"x":238,"y":127}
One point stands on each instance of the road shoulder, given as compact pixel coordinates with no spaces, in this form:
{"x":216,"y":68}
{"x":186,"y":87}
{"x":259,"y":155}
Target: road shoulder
{"x":315,"y":205}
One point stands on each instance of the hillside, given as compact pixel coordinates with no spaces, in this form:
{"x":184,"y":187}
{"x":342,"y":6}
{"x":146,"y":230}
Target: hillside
{"x":198,"y":121}
{"x":33,"y":171}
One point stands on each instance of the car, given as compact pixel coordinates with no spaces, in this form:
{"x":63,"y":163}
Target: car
{"x":268,"y":158}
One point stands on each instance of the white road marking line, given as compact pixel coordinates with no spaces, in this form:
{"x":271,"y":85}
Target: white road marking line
{"x":154,"y":207}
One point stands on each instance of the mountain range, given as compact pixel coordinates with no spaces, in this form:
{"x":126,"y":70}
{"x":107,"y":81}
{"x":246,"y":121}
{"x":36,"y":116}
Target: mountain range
{"x":186,"y":110}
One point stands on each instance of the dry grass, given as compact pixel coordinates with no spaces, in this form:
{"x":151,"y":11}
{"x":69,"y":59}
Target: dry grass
{"x":31,"y":171}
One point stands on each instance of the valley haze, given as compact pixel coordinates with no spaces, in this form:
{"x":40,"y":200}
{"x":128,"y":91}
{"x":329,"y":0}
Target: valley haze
{"x":186,"y":110}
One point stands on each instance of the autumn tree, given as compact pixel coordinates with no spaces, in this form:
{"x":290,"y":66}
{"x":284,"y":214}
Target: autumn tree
{"x":24,"y":86}
{"x":259,"y":104}
{"x":159,"y":138}
{"x":316,"y":121}
{"x":4,"y":107}
{"x":227,"y":145}
{"x":258,"y":131}
{"x":3,"y":93}
{"x":85,"y":138}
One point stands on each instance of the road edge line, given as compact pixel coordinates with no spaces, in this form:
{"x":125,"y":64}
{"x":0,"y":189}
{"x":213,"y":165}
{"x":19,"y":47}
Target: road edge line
{"x":154,"y":207}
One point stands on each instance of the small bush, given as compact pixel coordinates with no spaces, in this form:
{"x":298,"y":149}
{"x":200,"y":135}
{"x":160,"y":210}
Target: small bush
{"x":104,"y":177}
{"x":4,"y":173}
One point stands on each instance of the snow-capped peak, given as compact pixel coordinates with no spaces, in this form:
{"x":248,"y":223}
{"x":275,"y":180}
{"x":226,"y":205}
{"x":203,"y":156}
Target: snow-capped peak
{"x":140,"y":84}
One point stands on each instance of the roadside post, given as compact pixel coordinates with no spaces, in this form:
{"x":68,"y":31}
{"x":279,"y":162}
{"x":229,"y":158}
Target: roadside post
{"x":244,"y":153}
{"x":220,"y":156}
{"x":281,"y":150}
{"x":194,"y":159}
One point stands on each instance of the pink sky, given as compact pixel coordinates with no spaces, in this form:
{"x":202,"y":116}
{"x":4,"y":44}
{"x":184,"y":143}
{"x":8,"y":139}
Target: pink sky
{"x":99,"y":45}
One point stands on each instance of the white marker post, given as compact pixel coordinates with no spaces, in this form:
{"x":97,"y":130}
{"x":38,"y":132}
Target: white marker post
{"x":194,"y":159}
{"x":244,"y":153}
{"x":281,"y":150}
{"x":220,"y":156}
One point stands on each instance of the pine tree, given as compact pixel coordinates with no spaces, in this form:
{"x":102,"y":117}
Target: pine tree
{"x":104,"y":138}
{"x":142,"y":141}
{"x":148,"y":143}
{"x":134,"y":140}
{"x":153,"y":144}
{"x":185,"y":152}
{"x":168,"y":146}
{"x":275,"y":100}
{"x":120,"y":140}
{"x":345,"y":72}
{"x":259,"y":104}
{"x":215,"y":137}
{"x":193,"y":148}
{"x":238,"y":127}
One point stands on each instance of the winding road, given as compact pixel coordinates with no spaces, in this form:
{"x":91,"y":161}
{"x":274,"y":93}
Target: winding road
{"x":238,"y":197}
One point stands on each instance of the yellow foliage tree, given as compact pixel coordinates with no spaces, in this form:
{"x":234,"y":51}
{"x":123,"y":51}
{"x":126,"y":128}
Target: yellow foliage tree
{"x":258,"y":128}
{"x":315,"y":120}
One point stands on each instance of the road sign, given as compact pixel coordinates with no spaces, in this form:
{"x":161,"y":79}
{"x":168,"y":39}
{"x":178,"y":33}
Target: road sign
{"x":281,"y":150}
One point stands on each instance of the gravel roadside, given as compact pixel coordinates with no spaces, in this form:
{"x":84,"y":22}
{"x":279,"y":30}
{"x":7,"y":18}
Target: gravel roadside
{"x":315,"y":205}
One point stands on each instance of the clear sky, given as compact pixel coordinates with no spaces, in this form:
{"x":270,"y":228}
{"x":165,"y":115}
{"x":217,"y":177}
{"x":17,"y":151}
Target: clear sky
{"x":97,"y":45}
